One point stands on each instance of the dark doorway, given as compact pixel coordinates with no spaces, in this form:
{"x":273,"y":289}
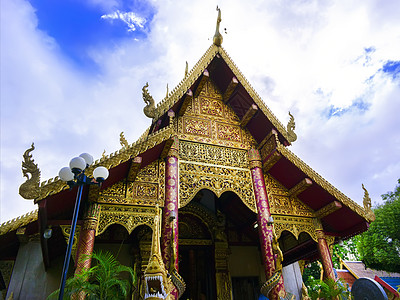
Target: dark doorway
{"x":196,"y":266}
{"x":245,"y":288}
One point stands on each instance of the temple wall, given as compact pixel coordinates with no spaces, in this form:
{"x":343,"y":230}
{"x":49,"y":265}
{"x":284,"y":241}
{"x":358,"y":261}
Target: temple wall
{"x":29,"y":279}
{"x":245,"y":261}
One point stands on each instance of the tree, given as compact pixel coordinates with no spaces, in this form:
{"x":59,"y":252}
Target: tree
{"x":346,"y":250}
{"x":379,"y":247}
{"x":103,"y":281}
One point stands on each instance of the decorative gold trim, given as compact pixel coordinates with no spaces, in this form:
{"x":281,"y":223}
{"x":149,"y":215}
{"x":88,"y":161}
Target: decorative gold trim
{"x":318,"y":179}
{"x":55,"y":185}
{"x":300,"y":187}
{"x":66,"y":230}
{"x":194,"y":177}
{"x":294,"y":225}
{"x":16,"y":223}
{"x":253,"y":94}
{"x":128,"y":216}
{"x":328,"y":209}
{"x":194,"y":242}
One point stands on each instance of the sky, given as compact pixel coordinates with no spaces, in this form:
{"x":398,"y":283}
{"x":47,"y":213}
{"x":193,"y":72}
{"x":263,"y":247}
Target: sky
{"x":72,"y":73}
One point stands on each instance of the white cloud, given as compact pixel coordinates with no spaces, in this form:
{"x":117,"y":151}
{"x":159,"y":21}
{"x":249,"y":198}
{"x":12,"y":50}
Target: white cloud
{"x":129,"y":18}
{"x":305,"y":58}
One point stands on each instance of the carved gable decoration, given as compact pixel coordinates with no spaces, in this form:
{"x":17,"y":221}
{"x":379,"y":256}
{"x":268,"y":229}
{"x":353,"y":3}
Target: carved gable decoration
{"x":147,"y":189}
{"x":208,"y":119}
{"x":280,"y":202}
{"x":213,"y":149}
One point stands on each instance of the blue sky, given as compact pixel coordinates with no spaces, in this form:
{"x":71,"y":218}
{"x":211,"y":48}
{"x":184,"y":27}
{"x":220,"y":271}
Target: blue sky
{"x":79,"y":26}
{"x":72,"y":74}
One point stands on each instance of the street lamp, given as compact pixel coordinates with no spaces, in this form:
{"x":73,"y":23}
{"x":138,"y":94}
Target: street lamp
{"x":74,"y":175}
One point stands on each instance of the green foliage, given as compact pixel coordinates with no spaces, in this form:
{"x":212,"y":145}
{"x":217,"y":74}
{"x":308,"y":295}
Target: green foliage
{"x":347,"y":250}
{"x":328,"y":289}
{"x":311,"y":271}
{"x":379,"y":247}
{"x":101,"y":282}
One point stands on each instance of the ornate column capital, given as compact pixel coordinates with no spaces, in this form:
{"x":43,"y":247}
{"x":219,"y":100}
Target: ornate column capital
{"x":92,"y":217}
{"x":174,"y":150}
{"x":254,"y":158}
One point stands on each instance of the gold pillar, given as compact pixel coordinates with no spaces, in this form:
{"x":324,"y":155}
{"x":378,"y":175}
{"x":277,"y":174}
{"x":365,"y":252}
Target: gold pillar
{"x":222,"y":275}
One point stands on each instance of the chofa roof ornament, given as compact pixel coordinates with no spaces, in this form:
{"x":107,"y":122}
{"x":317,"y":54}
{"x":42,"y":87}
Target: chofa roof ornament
{"x":290,"y":129}
{"x":30,"y":188}
{"x":217,"y":36}
{"x":367,"y":205}
{"x":150,"y":109}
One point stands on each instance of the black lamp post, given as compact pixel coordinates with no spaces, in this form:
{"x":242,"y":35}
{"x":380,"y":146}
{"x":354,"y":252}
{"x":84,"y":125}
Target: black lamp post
{"x":74,"y":175}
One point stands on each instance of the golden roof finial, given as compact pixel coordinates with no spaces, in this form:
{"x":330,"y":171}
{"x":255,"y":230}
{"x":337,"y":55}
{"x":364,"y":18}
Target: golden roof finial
{"x":367,"y":205}
{"x":30,"y":188}
{"x":186,"y":69}
{"x":217,"y":36}
{"x":290,"y":129}
{"x":167,"y":91}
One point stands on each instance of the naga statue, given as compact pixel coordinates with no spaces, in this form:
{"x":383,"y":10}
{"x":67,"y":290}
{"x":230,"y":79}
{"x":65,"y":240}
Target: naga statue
{"x":177,"y":279}
{"x":217,"y":36}
{"x":30,"y":188}
{"x":157,"y":283}
{"x":290,"y":129}
{"x":150,"y":109}
{"x":274,"y":279}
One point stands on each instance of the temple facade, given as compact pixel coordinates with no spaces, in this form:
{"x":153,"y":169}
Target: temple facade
{"x":210,"y":196}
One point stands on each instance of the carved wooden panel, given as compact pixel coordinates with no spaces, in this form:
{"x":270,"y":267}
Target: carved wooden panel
{"x":209,"y":120}
{"x":281,"y":203}
{"x":147,"y":189}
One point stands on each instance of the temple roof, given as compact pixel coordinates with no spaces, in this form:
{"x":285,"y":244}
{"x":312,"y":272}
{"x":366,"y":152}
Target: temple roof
{"x":345,"y":218}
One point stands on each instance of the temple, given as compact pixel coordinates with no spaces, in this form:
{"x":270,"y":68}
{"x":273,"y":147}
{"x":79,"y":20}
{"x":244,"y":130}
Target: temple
{"x":210,"y":197}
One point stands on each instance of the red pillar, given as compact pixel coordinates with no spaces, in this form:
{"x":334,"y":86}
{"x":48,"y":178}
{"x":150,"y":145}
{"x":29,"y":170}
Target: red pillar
{"x":325,"y":255}
{"x":170,"y":211}
{"x":264,"y":229}
{"x":86,"y":242}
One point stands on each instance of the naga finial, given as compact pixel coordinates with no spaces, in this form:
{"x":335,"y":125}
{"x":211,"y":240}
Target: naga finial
{"x":186,"y":69}
{"x":367,"y":204}
{"x":123,"y":141}
{"x":149,"y":110}
{"x":103,"y":155}
{"x":217,"y":36}
{"x":290,"y":129}
{"x":30,"y":188}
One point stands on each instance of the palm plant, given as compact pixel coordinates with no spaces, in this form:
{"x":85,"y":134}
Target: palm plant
{"x":329,"y":289}
{"x":101,"y":282}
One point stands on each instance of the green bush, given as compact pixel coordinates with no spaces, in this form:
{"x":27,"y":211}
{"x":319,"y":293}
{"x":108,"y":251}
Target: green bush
{"x":100,"y":282}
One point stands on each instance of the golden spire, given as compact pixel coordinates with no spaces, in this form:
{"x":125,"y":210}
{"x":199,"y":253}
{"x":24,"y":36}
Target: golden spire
{"x":186,"y":69}
{"x":167,"y":91}
{"x":217,"y":36}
